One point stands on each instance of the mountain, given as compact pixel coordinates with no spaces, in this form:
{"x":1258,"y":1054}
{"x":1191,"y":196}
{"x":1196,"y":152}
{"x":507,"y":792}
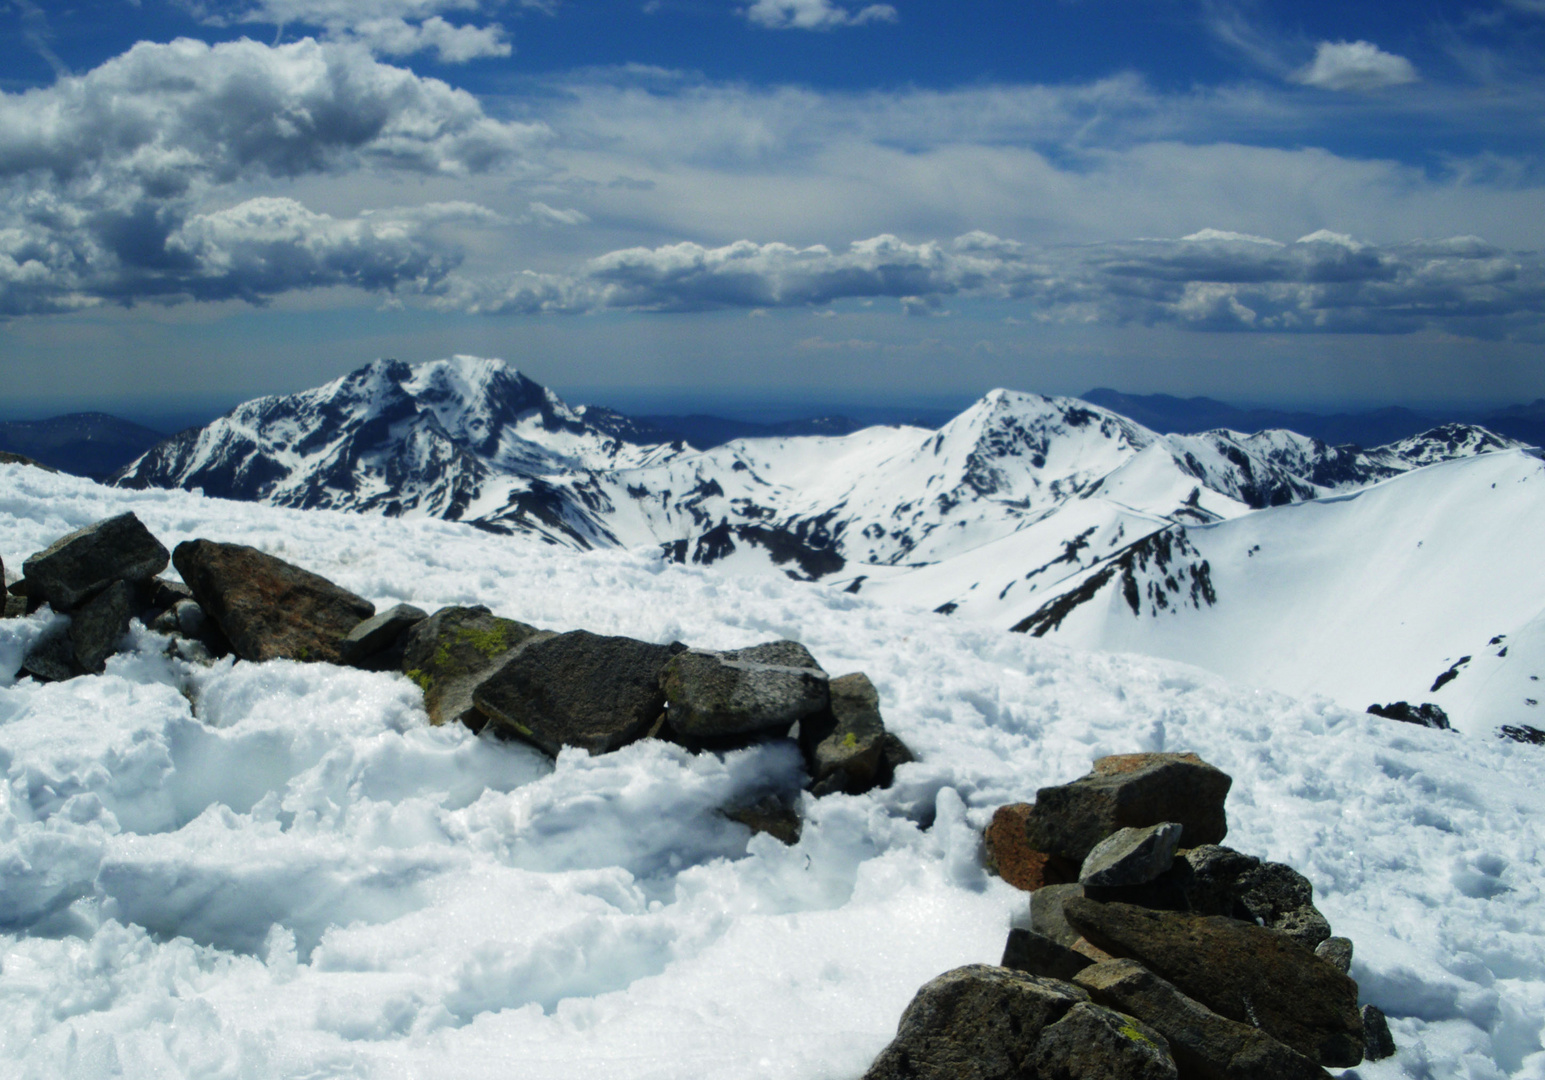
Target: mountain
{"x":705,"y":432}
{"x":1188,"y":416}
{"x":88,"y":444}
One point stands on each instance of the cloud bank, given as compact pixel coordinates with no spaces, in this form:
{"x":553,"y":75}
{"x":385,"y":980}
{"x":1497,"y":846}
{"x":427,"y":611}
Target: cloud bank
{"x":815,"y":14}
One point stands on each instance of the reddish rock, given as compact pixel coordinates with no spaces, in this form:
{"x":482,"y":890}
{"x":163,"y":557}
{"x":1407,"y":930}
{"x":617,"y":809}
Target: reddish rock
{"x":1010,"y":856}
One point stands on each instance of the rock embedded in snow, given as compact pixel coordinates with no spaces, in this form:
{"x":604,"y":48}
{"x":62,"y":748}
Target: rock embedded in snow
{"x":770,"y":815}
{"x":1205,"y":1045}
{"x":381,"y":633}
{"x":1131,"y":856}
{"x":1130,"y":790}
{"x":452,"y":651}
{"x":578,"y":689}
{"x":1246,"y":972}
{"x":1378,"y":1043}
{"x":1028,"y":951}
{"x":1426,"y":715}
{"x":1093,"y":1042}
{"x":98,"y":625}
{"x":1522,"y":733}
{"x":78,"y":566}
{"x":51,"y":658}
{"x":1010,"y":856}
{"x":1337,"y":952}
{"x":765,"y":688}
{"x":847,"y":747}
{"x":976,"y":1022}
{"x":269,"y":609}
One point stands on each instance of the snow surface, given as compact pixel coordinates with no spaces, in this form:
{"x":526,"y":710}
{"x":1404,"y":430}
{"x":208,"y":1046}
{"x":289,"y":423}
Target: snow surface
{"x":281,"y":870}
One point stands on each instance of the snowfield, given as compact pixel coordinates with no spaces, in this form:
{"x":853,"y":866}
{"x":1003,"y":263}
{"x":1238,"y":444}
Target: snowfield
{"x":281,"y":870}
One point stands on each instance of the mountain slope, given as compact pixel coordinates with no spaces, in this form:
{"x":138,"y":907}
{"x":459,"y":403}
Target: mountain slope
{"x":84,"y":444}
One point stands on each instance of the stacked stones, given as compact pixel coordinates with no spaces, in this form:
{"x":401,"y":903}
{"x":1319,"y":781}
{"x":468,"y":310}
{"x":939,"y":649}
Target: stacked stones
{"x":575,"y":689}
{"x":1151,"y":950}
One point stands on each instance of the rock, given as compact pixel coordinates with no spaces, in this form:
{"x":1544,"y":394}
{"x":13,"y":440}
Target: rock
{"x":82,"y":564}
{"x":1130,"y":790}
{"x":1086,"y":948}
{"x":51,"y":659}
{"x":770,"y":815}
{"x":765,"y":688}
{"x":1212,"y":884}
{"x":267,"y":608}
{"x":1010,"y":856}
{"x":845,"y":745}
{"x":577,"y":689}
{"x":1028,"y":951}
{"x":15,"y":606}
{"x":9,"y":458}
{"x":1046,"y":913}
{"x":1280,"y":897}
{"x":18,"y":588}
{"x":1205,"y":1045}
{"x":99,"y":624}
{"x":974,"y":1023}
{"x":1378,"y":1043}
{"x":1095,"y":1043}
{"x":162,"y":595}
{"x":452,"y":651}
{"x":1337,"y":952}
{"x":1428,"y":715}
{"x":381,"y":633}
{"x":1520,"y":733}
{"x":1131,"y":856}
{"x":1246,"y":972}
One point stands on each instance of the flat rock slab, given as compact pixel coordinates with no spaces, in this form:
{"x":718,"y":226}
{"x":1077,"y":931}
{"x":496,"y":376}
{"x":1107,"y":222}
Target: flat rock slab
{"x":1245,"y":972}
{"x":98,"y":625}
{"x":1028,"y":951}
{"x":1130,"y":790}
{"x":1010,"y":856}
{"x":977,"y":1022}
{"x":577,"y":689}
{"x":1093,"y":1042}
{"x":76,"y":567}
{"x":1131,"y":856}
{"x":452,"y":651}
{"x":1205,"y":1045}
{"x":269,"y":609}
{"x":381,"y":632}
{"x":764,"y":688}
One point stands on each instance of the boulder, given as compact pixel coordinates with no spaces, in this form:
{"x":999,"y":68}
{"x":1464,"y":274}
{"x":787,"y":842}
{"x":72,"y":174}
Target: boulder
{"x":381,"y":634}
{"x":1205,"y":1045}
{"x":1427,"y":715}
{"x":1220,"y":881}
{"x":267,"y":608}
{"x":1210,"y":874}
{"x":977,"y":1022}
{"x":577,"y":689}
{"x":1010,"y":856}
{"x":1046,"y":913}
{"x":1247,"y":973}
{"x":98,"y":625}
{"x":770,"y":815}
{"x":452,"y":651}
{"x":51,"y":659}
{"x":1378,"y":1043}
{"x":762,"y":689}
{"x":1095,"y":1043}
{"x":1337,"y":952}
{"x":1028,"y":951}
{"x":1130,"y":790}
{"x":1131,"y":856}
{"x":845,"y":745}
{"x":78,"y":566}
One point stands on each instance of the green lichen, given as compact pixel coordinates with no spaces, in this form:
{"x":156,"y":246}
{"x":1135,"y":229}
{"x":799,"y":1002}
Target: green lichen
{"x":490,"y":642}
{"x":1132,"y":1033}
{"x":424,"y":681}
{"x":850,"y":741}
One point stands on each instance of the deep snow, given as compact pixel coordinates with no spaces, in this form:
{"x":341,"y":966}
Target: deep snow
{"x":281,"y":870}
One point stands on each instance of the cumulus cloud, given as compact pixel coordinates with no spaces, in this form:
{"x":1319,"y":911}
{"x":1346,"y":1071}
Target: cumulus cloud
{"x":1211,"y":280}
{"x":386,"y":27}
{"x":1355,"y":65}
{"x":108,"y":180}
{"x":815,"y":14}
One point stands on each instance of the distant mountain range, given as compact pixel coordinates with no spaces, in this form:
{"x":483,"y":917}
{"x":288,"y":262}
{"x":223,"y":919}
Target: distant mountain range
{"x":86,"y":444}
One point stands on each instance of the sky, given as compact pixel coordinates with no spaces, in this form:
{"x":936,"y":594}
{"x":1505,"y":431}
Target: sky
{"x":669,"y":204}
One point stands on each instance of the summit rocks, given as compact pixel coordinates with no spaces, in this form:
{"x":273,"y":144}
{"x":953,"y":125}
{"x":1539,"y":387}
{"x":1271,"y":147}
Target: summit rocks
{"x":78,"y":566}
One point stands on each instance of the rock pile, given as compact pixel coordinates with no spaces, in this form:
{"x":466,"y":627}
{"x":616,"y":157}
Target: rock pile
{"x":1150,"y":950}
{"x":575,"y":689}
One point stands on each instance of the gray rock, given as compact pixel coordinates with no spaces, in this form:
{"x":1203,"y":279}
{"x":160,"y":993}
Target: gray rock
{"x":1336,"y":951}
{"x":1247,"y":973}
{"x":1212,"y":884}
{"x":1131,"y":856}
{"x":1378,"y":1043}
{"x":1205,"y":1045}
{"x":1093,"y":1042}
{"x":51,"y":659}
{"x":381,"y":633}
{"x":1028,"y":951}
{"x":765,"y":688}
{"x":770,"y":815}
{"x":577,"y":689}
{"x":1046,"y":913}
{"x":98,"y":625}
{"x":846,"y":747}
{"x":163,"y":595}
{"x":267,"y":608}
{"x":82,"y":564}
{"x":1280,"y":897}
{"x":974,"y":1023}
{"x":15,"y":606}
{"x":1130,"y":790}
{"x":452,"y":651}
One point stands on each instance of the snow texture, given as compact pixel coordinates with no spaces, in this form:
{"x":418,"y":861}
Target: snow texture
{"x":281,"y":870}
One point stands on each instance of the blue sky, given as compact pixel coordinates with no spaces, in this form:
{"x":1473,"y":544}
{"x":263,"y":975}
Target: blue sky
{"x":676,"y":202}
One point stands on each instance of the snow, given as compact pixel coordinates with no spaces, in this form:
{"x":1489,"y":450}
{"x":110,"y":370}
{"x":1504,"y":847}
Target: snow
{"x":280,"y":870}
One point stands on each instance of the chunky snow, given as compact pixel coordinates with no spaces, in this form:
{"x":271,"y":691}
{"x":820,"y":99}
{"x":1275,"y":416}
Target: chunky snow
{"x":281,"y":870}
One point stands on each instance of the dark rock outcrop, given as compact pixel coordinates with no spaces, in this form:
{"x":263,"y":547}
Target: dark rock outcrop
{"x":764,"y":688}
{"x":1245,"y":972}
{"x":267,"y":608}
{"x":76,"y":567}
{"x":1428,"y":715}
{"x":577,"y":689}
{"x":452,"y":651}
{"x":1130,"y":790}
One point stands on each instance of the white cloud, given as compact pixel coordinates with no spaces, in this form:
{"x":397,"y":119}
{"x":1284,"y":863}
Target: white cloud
{"x":543,"y":214}
{"x":1355,"y":65}
{"x":815,"y":14}
{"x":451,"y":44}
